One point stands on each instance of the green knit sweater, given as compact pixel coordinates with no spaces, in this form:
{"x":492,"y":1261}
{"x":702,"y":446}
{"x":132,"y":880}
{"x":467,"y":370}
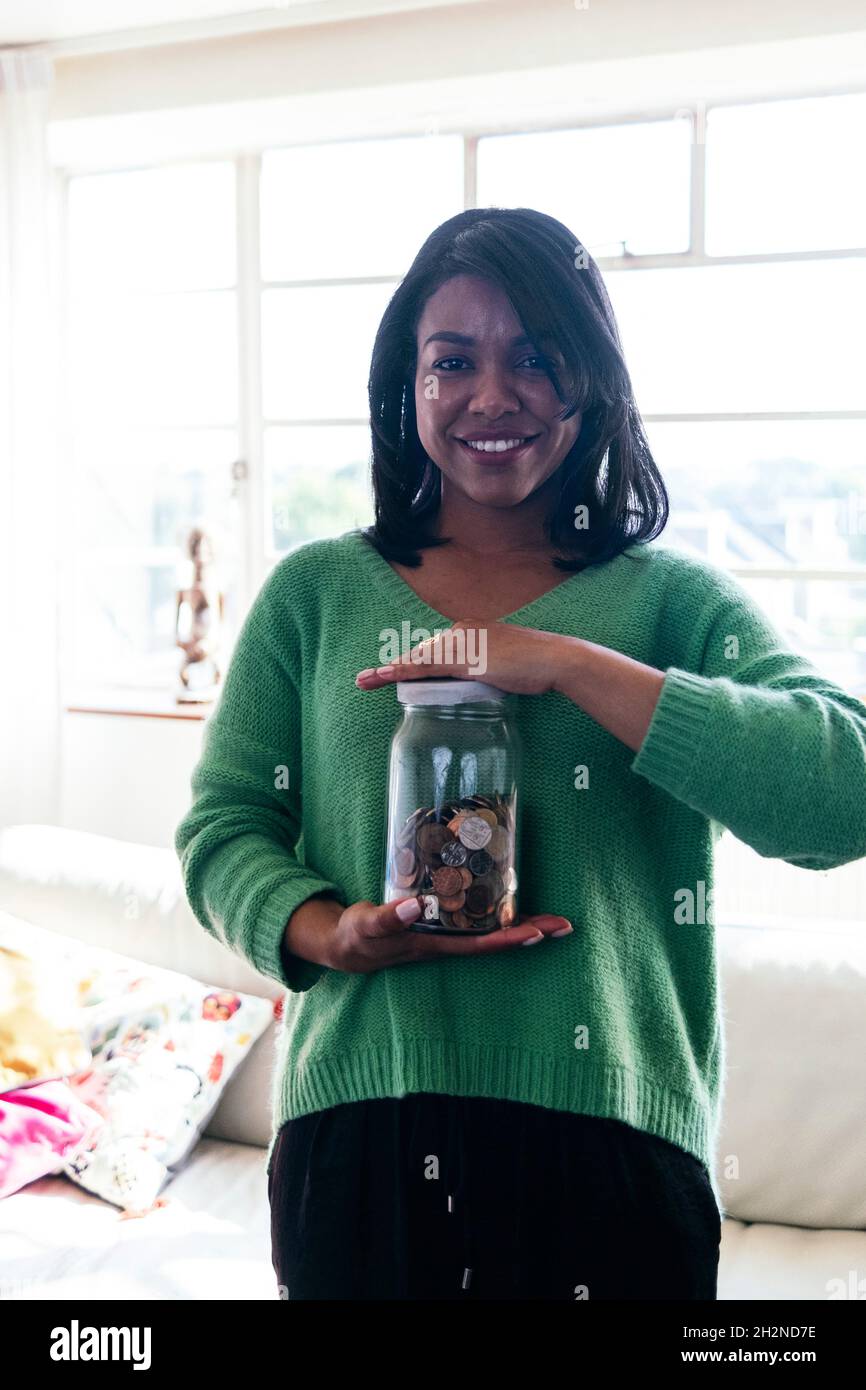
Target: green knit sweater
{"x":624,"y":1017}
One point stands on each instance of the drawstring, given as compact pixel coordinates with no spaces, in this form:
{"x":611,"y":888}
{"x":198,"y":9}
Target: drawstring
{"x":458,"y":1197}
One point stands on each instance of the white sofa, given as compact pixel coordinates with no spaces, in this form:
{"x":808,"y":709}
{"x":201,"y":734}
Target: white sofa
{"x":790,"y":1158}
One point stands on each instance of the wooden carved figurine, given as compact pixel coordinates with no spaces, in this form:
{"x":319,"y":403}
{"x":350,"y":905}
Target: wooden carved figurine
{"x":198,"y":623}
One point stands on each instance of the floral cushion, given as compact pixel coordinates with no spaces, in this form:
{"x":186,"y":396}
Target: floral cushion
{"x":162,"y":1047}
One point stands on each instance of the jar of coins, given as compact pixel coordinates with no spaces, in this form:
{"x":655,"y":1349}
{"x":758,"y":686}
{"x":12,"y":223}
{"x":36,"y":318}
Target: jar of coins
{"x":452,"y":832}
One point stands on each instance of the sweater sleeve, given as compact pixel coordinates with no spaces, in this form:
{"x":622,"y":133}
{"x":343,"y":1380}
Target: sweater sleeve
{"x":237,"y":843}
{"x":752,"y":736}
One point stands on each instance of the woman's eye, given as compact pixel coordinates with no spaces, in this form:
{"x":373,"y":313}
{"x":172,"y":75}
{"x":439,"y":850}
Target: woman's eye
{"x":543,"y":363}
{"x":443,"y":360}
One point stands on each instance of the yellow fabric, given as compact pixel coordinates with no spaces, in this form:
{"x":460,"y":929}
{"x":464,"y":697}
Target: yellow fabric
{"x":39,"y":1037}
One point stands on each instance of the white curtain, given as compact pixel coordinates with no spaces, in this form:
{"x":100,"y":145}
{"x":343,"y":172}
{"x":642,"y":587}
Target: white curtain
{"x":29,"y":444}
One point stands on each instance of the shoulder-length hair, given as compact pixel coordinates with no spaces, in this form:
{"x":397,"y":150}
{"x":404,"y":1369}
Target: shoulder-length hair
{"x":559,"y":296}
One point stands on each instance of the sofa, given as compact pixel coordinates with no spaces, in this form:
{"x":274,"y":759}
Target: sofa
{"x":790,"y":1158}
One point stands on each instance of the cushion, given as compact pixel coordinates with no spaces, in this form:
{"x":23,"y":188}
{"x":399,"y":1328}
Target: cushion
{"x":162,"y":1047}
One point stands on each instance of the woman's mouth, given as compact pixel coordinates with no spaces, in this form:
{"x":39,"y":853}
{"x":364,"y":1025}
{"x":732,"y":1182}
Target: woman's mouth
{"x":499,"y":448}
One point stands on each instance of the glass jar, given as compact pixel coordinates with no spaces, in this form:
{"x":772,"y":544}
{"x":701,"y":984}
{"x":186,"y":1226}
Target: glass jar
{"x":452,"y":835}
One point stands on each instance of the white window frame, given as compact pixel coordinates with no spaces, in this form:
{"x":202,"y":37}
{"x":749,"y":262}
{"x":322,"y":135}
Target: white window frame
{"x":258,"y":556}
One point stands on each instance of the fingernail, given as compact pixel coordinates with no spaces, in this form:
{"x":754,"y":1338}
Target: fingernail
{"x":534,"y":940}
{"x":385,"y":670}
{"x":563,"y":931}
{"x":407,"y":911}
{"x":362,"y":675}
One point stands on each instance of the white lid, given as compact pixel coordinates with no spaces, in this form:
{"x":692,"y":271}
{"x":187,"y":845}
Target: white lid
{"x":448,"y":691}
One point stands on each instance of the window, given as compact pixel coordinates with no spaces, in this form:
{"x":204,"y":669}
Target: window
{"x":153,"y":411}
{"x":734,"y":249}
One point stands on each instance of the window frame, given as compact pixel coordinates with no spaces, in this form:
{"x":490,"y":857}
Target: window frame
{"x":257,"y":554}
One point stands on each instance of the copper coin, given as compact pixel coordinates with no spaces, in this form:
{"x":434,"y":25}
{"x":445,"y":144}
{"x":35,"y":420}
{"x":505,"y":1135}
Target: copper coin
{"x":405,"y":880}
{"x":455,"y":823}
{"x":444,"y":915}
{"x":405,"y":863}
{"x":459,"y":919}
{"x":466,"y":877}
{"x":489,"y":816}
{"x":500,"y":843}
{"x":447,"y":882}
{"x":507,"y":914}
{"x":452,"y":904}
{"x":474,"y":832}
{"x":432,"y":838}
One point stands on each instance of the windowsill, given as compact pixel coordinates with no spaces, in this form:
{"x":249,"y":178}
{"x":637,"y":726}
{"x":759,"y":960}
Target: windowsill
{"x":136,"y":704}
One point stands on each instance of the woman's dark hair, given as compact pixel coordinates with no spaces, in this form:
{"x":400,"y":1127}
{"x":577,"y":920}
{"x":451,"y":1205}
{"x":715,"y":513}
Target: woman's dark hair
{"x":559,"y":296}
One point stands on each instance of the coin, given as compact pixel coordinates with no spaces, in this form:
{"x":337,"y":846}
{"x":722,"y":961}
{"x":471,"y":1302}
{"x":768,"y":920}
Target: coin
{"x":405,"y":863}
{"x":454,"y":854}
{"x":466,"y":876}
{"x":474,"y":832}
{"x":459,"y":919}
{"x":489,"y":816}
{"x":507,"y":914}
{"x":452,"y":904}
{"x":500,"y":843}
{"x":447,"y":882}
{"x":480,"y":862}
{"x":433,"y":838}
{"x":477,"y":901}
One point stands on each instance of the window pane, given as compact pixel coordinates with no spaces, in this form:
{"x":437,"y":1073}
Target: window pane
{"x":824,"y":620}
{"x":120,"y":626}
{"x":167,"y":359}
{"x":616,"y":187}
{"x":316,"y":346}
{"x":356,"y":208}
{"x":766,"y":492}
{"x":148,"y":487}
{"x":154,"y":229}
{"x":742,"y":338}
{"x":775,"y":493}
{"x":781,"y":176}
{"x":318,"y":482}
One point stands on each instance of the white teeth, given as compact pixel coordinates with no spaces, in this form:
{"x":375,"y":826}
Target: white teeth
{"x":493,"y":446}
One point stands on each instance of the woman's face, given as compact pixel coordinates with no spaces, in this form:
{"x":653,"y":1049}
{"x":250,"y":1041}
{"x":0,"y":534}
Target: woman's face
{"x":480,"y":378}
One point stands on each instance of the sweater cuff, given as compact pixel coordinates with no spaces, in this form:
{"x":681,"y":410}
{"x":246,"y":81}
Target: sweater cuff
{"x":267,"y":948}
{"x":669,"y":752}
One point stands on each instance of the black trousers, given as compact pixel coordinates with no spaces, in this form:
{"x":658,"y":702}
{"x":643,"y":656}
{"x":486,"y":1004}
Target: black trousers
{"x":454,"y":1197}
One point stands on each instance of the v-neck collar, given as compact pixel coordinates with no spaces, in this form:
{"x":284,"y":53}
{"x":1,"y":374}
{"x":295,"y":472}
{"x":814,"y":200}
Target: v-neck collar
{"x":396,"y":584}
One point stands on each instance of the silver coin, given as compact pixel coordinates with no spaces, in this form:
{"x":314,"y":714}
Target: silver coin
{"x":474,"y":832}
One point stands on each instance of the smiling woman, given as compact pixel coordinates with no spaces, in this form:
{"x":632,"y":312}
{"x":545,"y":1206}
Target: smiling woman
{"x":537,"y":366}
{"x":456,"y":1117}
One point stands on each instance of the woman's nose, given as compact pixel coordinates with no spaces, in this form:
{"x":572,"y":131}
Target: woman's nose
{"x":493,"y":394}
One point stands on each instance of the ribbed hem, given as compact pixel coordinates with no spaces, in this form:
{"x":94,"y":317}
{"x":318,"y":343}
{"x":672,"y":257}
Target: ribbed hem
{"x":669,"y":751}
{"x":265,"y":948}
{"x":503,"y":1074}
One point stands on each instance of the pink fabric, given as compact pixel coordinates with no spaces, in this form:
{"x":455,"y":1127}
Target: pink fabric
{"x":37,"y":1125}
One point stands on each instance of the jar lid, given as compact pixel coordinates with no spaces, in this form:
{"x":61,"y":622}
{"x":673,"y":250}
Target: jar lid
{"x":446,"y":691}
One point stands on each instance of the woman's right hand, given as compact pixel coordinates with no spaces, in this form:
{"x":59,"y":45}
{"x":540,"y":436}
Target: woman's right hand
{"x":367,"y":936}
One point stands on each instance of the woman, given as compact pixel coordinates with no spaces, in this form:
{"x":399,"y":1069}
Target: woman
{"x":458,"y":1117}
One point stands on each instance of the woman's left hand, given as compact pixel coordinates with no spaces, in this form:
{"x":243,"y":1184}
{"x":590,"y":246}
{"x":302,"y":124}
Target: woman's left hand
{"x":520,"y":660}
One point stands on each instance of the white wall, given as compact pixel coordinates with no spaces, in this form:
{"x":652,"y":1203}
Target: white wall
{"x":127,"y":776}
{"x":434,"y":43}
